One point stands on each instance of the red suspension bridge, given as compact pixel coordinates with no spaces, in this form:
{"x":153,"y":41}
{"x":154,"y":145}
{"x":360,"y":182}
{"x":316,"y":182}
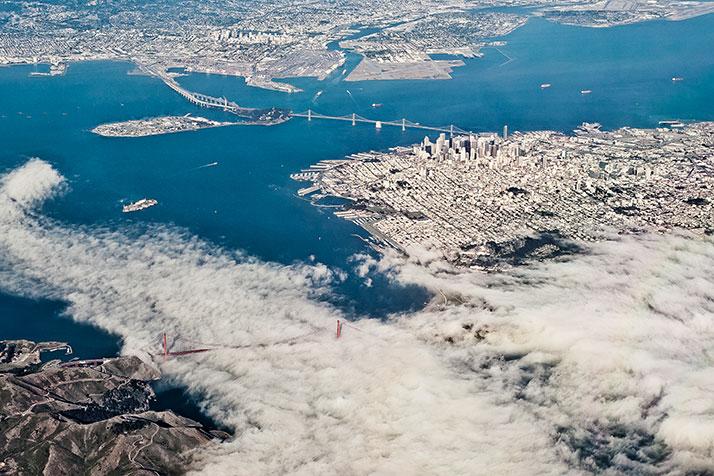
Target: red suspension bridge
{"x":178,"y":346}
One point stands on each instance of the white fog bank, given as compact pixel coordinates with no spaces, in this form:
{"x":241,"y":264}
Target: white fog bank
{"x":602,"y":361}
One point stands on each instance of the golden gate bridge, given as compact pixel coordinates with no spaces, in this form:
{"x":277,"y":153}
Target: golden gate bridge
{"x":180,"y":346}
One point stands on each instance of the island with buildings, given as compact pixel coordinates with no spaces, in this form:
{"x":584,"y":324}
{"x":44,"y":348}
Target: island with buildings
{"x":479,"y":200}
{"x":87,"y":416}
{"x":157,"y":126}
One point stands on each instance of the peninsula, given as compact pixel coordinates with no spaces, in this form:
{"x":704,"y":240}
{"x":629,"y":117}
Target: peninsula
{"x":481,"y":199}
{"x":87,"y":417}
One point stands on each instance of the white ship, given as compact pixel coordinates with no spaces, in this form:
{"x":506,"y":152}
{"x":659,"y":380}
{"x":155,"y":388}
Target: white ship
{"x":545,"y":85}
{"x":142,"y":204}
{"x":674,"y":124}
{"x":677,"y":78}
{"x":586,"y":91}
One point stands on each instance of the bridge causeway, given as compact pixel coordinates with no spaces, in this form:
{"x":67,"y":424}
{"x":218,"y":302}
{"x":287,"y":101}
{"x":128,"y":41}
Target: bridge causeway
{"x":199,"y":99}
{"x":205,"y":100}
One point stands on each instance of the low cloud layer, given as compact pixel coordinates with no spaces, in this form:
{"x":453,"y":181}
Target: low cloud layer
{"x":613,"y":348}
{"x":598,"y":362}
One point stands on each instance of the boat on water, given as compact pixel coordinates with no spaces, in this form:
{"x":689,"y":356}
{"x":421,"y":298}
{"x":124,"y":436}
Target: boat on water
{"x":586,"y":91}
{"x":376,"y":104}
{"x":677,"y":78}
{"x":674,"y":124}
{"x":142,"y":204}
{"x":545,"y":85}
{"x":317,"y":95}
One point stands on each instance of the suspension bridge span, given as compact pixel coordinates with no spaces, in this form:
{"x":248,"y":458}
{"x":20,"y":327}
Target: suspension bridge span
{"x":276,"y":115}
{"x":404,"y":124}
{"x":180,"y":346}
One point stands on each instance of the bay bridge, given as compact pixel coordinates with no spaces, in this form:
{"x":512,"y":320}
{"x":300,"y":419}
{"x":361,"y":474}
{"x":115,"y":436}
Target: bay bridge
{"x":202,"y":100}
{"x":205,"y":100}
{"x":276,"y":115}
{"x":404,"y":124}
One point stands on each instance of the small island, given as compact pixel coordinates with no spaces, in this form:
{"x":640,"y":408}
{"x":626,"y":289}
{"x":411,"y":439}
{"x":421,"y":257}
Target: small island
{"x":87,"y":416}
{"x":157,"y":125}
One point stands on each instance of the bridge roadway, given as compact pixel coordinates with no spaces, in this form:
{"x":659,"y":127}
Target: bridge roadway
{"x":354,"y":119}
{"x":199,"y":99}
{"x":204,"y":100}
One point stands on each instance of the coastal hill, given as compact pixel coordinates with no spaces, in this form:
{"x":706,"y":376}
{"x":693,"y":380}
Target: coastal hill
{"x":87,"y":417}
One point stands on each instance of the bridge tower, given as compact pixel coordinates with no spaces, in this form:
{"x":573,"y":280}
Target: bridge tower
{"x":354,"y":119}
{"x":309,"y":114}
{"x":404,"y":124}
{"x":451,"y":131}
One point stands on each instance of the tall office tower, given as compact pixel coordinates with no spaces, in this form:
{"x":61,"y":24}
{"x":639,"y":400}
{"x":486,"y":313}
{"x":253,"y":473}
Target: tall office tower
{"x":481,"y":147}
{"x":440,"y":143}
{"x":505,"y":131}
{"x":426,"y":143}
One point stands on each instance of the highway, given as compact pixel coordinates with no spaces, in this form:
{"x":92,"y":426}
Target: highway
{"x":199,"y":99}
{"x":205,"y":100}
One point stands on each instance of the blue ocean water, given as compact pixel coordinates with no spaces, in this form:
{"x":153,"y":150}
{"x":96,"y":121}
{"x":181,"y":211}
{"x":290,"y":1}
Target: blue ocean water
{"x":248,"y":201}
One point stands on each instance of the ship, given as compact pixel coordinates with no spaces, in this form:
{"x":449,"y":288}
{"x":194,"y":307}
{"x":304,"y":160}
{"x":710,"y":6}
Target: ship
{"x":142,"y":204}
{"x":545,"y":85}
{"x":376,"y":104}
{"x":677,"y":78}
{"x":586,"y":91}
{"x":674,"y":124}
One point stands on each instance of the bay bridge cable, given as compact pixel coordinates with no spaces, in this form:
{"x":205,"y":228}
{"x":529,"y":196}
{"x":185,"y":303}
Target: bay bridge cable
{"x":403,"y":123}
